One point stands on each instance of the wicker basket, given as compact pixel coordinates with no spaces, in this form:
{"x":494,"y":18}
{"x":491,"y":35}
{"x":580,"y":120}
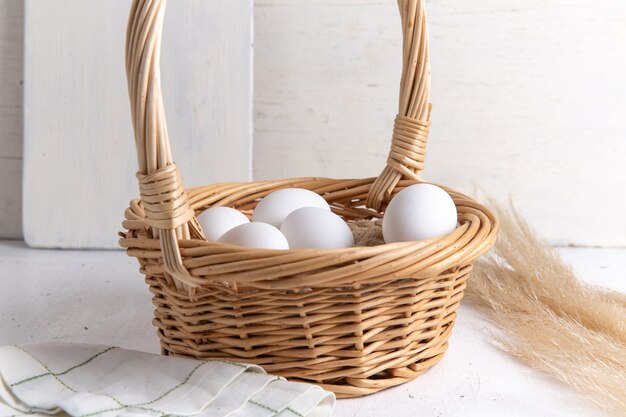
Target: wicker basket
{"x":355,"y":320}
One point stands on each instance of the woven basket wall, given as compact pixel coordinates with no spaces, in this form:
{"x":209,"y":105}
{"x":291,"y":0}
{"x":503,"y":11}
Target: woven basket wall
{"x":354,"y":320}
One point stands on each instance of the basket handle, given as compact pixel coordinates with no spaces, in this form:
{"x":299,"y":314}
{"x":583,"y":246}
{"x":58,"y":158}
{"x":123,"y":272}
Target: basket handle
{"x":164,"y":198}
{"x":412,"y":123}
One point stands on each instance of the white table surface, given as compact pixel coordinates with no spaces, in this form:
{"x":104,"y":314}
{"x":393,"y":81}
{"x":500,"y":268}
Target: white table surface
{"x":100,"y":297}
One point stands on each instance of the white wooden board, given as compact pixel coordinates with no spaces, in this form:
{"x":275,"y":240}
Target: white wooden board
{"x":529,"y":100}
{"x":79,"y":149}
{"x":11,"y":51}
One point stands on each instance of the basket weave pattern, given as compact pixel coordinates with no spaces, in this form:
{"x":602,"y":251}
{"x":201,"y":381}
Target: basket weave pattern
{"x":353,"y":320}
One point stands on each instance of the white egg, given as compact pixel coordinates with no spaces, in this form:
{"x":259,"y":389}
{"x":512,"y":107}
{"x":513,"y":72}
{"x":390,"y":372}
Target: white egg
{"x":420,"y":211}
{"x":255,"y":235}
{"x":275,"y":207}
{"x":218,"y":220}
{"x":314,"y":227}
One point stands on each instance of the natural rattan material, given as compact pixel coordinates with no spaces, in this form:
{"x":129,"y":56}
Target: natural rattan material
{"x":354,"y":320}
{"x":414,"y":104}
{"x":164,"y":198}
{"x":408,"y":146}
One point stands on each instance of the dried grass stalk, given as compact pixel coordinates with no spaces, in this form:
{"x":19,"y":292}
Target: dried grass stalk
{"x":551,"y":320}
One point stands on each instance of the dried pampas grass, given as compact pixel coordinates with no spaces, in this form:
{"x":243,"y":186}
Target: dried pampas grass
{"x":550,"y":319}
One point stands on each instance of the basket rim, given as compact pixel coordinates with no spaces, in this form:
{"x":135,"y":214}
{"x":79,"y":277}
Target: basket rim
{"x":463,"y":245}
{"x":456,"y":196}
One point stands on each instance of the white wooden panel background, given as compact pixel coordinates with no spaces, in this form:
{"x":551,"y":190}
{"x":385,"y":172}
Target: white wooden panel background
{"x":11,"y":64}
{"x":529,"y":100}
{"x":79,"y":155}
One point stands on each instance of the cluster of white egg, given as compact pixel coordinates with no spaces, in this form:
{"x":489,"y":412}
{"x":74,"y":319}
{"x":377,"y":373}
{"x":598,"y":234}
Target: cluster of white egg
{"x":298,"y":218}
{"x":288,"y":218}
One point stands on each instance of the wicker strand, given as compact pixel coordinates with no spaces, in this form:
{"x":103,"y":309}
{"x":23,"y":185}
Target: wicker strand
{"x":163,"y":195}
{"x":408,"y":146}
{"x":413,"y":120}
{"x":164,"y":198}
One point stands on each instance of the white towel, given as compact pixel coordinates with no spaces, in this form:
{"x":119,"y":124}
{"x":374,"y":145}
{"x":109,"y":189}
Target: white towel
{"x":102,"y":381}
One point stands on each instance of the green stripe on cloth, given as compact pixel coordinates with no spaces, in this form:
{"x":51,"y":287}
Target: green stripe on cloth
{"x":57,"y":374}
{"x":141,"y":406}
{"x":294,"y":412}
{"x":263,"y":406}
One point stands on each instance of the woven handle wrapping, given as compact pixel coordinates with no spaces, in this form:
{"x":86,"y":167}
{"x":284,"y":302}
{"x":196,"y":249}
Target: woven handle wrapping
{"x":162,"y":193}
{"x":410,"y":130}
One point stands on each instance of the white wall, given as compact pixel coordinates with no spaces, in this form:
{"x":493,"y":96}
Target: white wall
{"x":529,"y":100}
{"x":11,"y":52}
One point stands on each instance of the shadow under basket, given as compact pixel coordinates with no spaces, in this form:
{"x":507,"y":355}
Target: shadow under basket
{"x":355,"y":320}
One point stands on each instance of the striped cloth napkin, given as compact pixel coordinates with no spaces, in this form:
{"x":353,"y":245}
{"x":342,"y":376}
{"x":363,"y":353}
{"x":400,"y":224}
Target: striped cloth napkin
{"x":103,"y":381}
